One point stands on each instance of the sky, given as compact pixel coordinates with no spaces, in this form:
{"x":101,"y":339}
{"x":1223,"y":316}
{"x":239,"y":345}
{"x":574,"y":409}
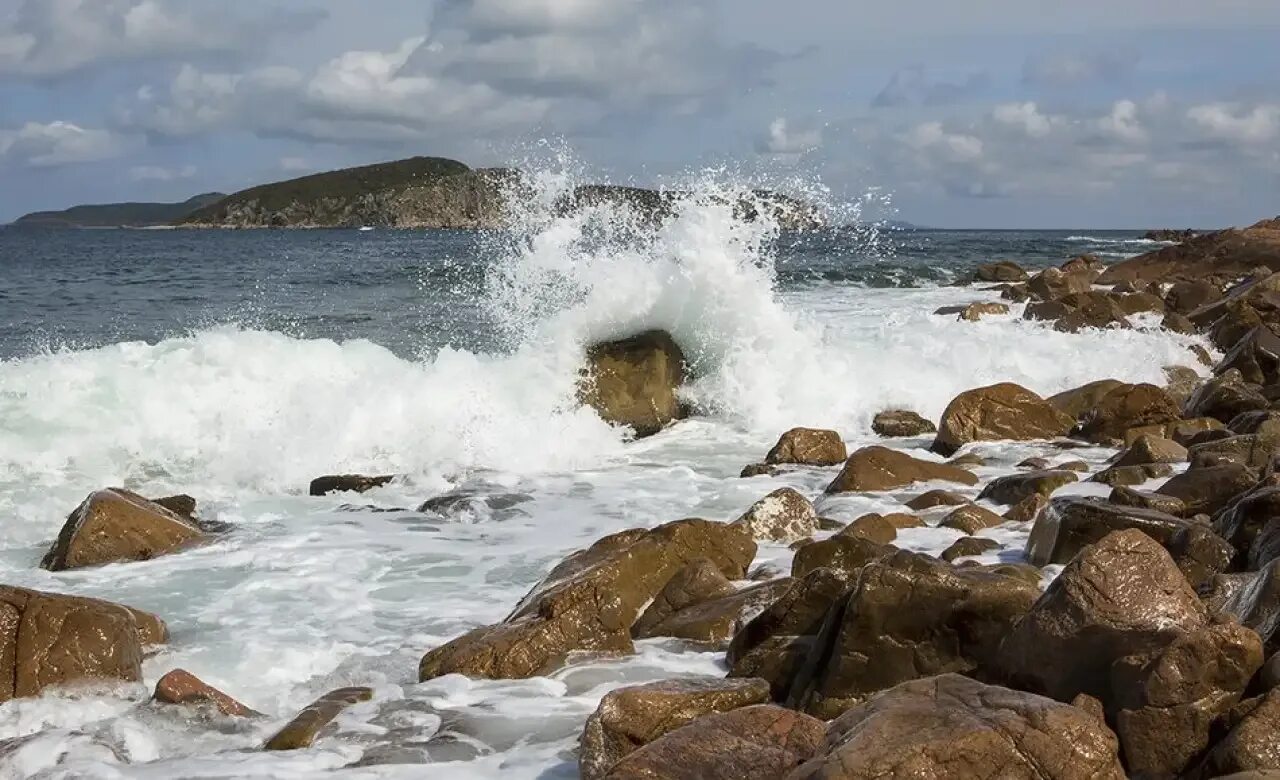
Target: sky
{"x":985,"y":114}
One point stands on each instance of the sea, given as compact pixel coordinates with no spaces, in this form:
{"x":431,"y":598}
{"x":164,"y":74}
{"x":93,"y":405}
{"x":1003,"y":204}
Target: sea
{"x":236,"y":366}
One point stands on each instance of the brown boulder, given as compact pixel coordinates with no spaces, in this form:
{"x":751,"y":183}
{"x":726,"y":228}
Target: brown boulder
{"x":998,"y":412}
{"x":1125,"y":496}
{"x":798,"y":612}
{"x":1119,"y":597}
{"x":183,"y":688}
{"x":1125,"y":407}
{"x":630,"y":718}
{"x":969,"y":547}
{"x":1185,"y":297}
{"x":118,"y":525}
{"x":1256,"y":357}
{"x":346,"y":483}
{"x":1248,"y":449}
{"x":633,"y":381}
{"x":301,"y":732}
{"x":715,"y":622}
{"x":1252,"y":598}
{"x":953,"y":728}
{"x":761,"y":742}
{"x":1015,"y":488}
{"x":1132,"y":475}
{"x":590,"y":601}
{"x":1053,"y":283}
{"x":936,"y":498}
{"x":874,"y":527}
{"x":1225,"y":397}
{"x":1000,"y":271}
{"x":880,"y":468}
{"x":1027,"y":509}
{"x":784,"y":516}
{"x":1151,"y":449}
{"x":808,"y":447}
{"x":1206,"y":490}
{"x":1251,"y":745}
{"x":901,"y":424}
{"x":971,"y":519}
{"x":1075,"y":403}
{"x":1241,"y":521}
{"x":847,"y":554}
{"x":1225,"y":253}
{"x":776,"y":660}
{"x":976,"y":311}
{"x":696,"y":582}
{"x":1233,"y":322}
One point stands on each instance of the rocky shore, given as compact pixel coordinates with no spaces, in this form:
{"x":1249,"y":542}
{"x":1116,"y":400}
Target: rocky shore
{"x":1137,"y":633}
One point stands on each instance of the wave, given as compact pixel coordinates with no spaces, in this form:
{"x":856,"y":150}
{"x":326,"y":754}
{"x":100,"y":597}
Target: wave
{"x":1125,"y":241}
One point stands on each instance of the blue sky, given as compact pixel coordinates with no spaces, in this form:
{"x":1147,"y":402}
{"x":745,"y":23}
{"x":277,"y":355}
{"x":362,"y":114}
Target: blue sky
{"x":992,"y":113}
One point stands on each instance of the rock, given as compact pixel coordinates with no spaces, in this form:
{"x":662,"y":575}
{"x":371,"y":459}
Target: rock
{"x":183,"y":506}
{"x":1233,"y":322}
{"x":1016,"y":293}
{"x":1259,"y":292}
{"x":908,"y":616}
{"x":759,"y":470}
{"x":1247,"y":450}
{"x":1206,"y":490}
{"x":935,"y":498}
{"x":301,"y":732}
{"x":1243,"y":519}
{"x":784,"y":516}
{"x":715,"y":622}
{"x":971,"y":519}
{"x":1170,"y":236}
{"x":846,"y":554}
{"x":51,"y":639}
{"x":968,"y":547}
{"x":808,"y":447}
{"x":1252,"y":598}
{"x":1125,"y":407}
{"x":1250,"y":745}
{"x":1224,"y":253}
{"x":1265,"y":547}
{"x":873,"y":527}
{"x":630,"y":718}
{"x":1015,"y":488}
{"x":900,"y":424}
{"x":797,"y":613}
{"x":1027,"y":509}
{"x":1152,"y":449}
{"x":1256,"y":357}
{"x":1000,"y":271}
{"x":347,"y":483}
{"x":879,"y":468}
{"x":1185,"y":297}
{"x":697,"y":582}
{"x":761,"y":742}
{"x":1034,"y":464}
{"x":1182,"y":383}
{"x":1167,"y":701}
{"x":976,"y":311}
{"x":1169,"y":505}
{"x":952,"y":728}
{"x":998,"y":412}
{"x":1119,"y":597}
{"x":967,"y":461}
{"x":776,"y":660}
{"x":184,"y":688}
{"x":1090,"y":263}
{"x":1074,"y":403}
{"x":1184,"y":431}
{"x":115,"y":525}
{"x":1053,"y":283}
{"x":1225,"y":397}
{"x":633,"y":382}
{"x":590,"y":601}
{"x":1132,"y":475}
{"x":1177,"y":323}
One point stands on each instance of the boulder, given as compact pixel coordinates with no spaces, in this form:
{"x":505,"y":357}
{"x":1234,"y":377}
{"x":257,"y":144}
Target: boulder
{"x":1260,"y":291}
{"x":936,"y":498}
{"x":1168,"y":700}
{"x":1243,"y":519}
{"x":1185,"y":297}
{"x":1233,"y":322}
{"x":874,"y":527}
{"x":776,"y":660}
{"x":301,"y":732}
{"x":1251,"y":743}
{"x":1132,"y":475}
{"x":1184,"y":431}
{"x":1074,"y":403}
{"x":715,"y":622}
{"x":1151,"y":449}
{"x":1140,"y":499}
{"x":1252,"y":598}
{"x":971,"y":519}
{"x":1015,"y":488}
{"x":1225,"y":397}
{"x":976,"y":311}
{"x":797,"y":613}
{"x":1256,"y":357}
{"x":1034,"y":464}
{"x":760,"y":742}
{"x":847,"y":554}
{"x":1248,"y":449}
{"x":1177,"y":323}
{"x":758,"y":470}
{"x":784,"y":516}
{"x":1225,"y":253}
{"x":1027,"y":509}
{"x":115,"y":525}
{"x":1206,"y":490}
{"x":968,"y":460}
{"x":696,"y":582}
{"x":879,"y":468}
{"x":953,"y":728}
{"x":183,"y":506}
{"x":999,"y":412}
{"x":1122,"y":596}
{"x":968,"y":547}
{"x":590,"y":601}
{"x":1016,"y":293}
{"x":346,"y":483}
{"x":1125,"y":407}
{"x":908,"y":616}
{"x":633,"y":382}
{"x":1000,"y":271}
{"x":630,"y":718}
{"x":184,"y":688}
{"x":1265,"y":547}
{"x":1053,"y":283}
{"x":51,"y":639}
{"x":1088,"y":263}
{"x":900,"y":424}
{"x":808,"y":447}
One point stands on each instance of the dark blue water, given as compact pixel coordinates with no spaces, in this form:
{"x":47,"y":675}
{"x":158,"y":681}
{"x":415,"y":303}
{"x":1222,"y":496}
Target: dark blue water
{"x":412,"y":291}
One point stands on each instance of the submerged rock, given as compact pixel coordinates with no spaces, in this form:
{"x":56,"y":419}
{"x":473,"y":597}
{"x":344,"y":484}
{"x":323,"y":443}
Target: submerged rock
{"x":302,"y":731}
{"x":900,"y":424}
{"x":184,"y":688}
{"x":967,"y":547}
{"x":999,"y":412}
{"x":633,"y":381}
{"x":879,"y":468}
{"x":347,"y":483}
{"x":119,"y":525}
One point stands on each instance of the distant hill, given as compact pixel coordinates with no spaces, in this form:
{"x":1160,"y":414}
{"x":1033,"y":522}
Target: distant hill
{"x":119,"y":214}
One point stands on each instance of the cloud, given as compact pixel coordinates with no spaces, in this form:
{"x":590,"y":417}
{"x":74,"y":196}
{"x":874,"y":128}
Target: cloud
{"x":913,"y":87}
{"x":1071,"y":69}
{"x":1236,"y":124}
{"x":788,"y":144}
{"x":50,"y":38}
{"x":161,"y":174}
{"x":1024,"y":116}
{"x":55,"y":144}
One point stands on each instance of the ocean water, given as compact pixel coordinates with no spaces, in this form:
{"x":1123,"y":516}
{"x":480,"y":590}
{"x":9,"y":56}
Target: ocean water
{"x":237,"y":366}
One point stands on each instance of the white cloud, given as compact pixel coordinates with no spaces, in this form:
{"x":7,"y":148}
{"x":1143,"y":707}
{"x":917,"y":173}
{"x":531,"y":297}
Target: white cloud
{"x":953,"y":147}
{"x":1024,"y":116}
{"x":160,"y":173}
{"x":783,"y":141}
{"x":59,"y":143}
{"x":1259,"y":124}
{"x":1123,"y":123}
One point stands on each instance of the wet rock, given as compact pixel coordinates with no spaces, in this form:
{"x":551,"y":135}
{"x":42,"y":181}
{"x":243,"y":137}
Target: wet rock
{"x":1027,"y":509}
{"x":1034,"y":464}
{"x":301,"y":732}
{"x":874,"y":527}
{"x":968,"y":547}
{"x":901,"y":424}
{"x":1206,"y":490}
{"x":936,"y":498}
{"x":761,"y":742}
{"x":1184,"y":431}
{"x":696,"y":582}
{"x":971,"y":519}
{"x":797,"y":613}
{"x":1015,"y":488}
{"x":1125,"y":407}
{"x":1252,"y":599}
{"x":1016,"y":293}
{"x":1119,"y":597}
{"x":968,"y":460}
{"x":1251,"y":743}
{"x":115,"y":525}
{"x":183,"y":506}
{"x":1248,"y":449}
{"x":847,"y":554}
{"x":1244,"y":518}
{"x":908,"y":616}
{"x":976,"y":311}
{"x":998,"y":412}
{"x":1266,"y":546}
{"x":1152,"y":449}
{"x":476,"y":503}
{"x":1256,"y":357}
{"x":1000,"y":271}
{"x":633,"y":382}
{"x":1140,"y":499}
{"x":1177,"y":323}
{"x":776,"y":660}
{"x":808,"y":447}
{"x":1186,"y":297}
{"x":1074,"y":403}
{"x":784,"y":516}
{"x":1132,"y":475}
{"x":1168,"y":700}
{"x":715,"y":622}
{"x":879,"y":468}
{"x":1225,"y":397}
{"x":630,"y":718}
{"x":1223,"y":253}
{"x":50,"y":639}
{"x":184,"y":688}
{"x":1053,"y":283}
{"x":590,"y":601}
{"x":759,"y":470}
{"x":347,"y":483}
{"x":1081,"y":264}
{"x":952,"y":727}
{"x":1232,"y":324}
